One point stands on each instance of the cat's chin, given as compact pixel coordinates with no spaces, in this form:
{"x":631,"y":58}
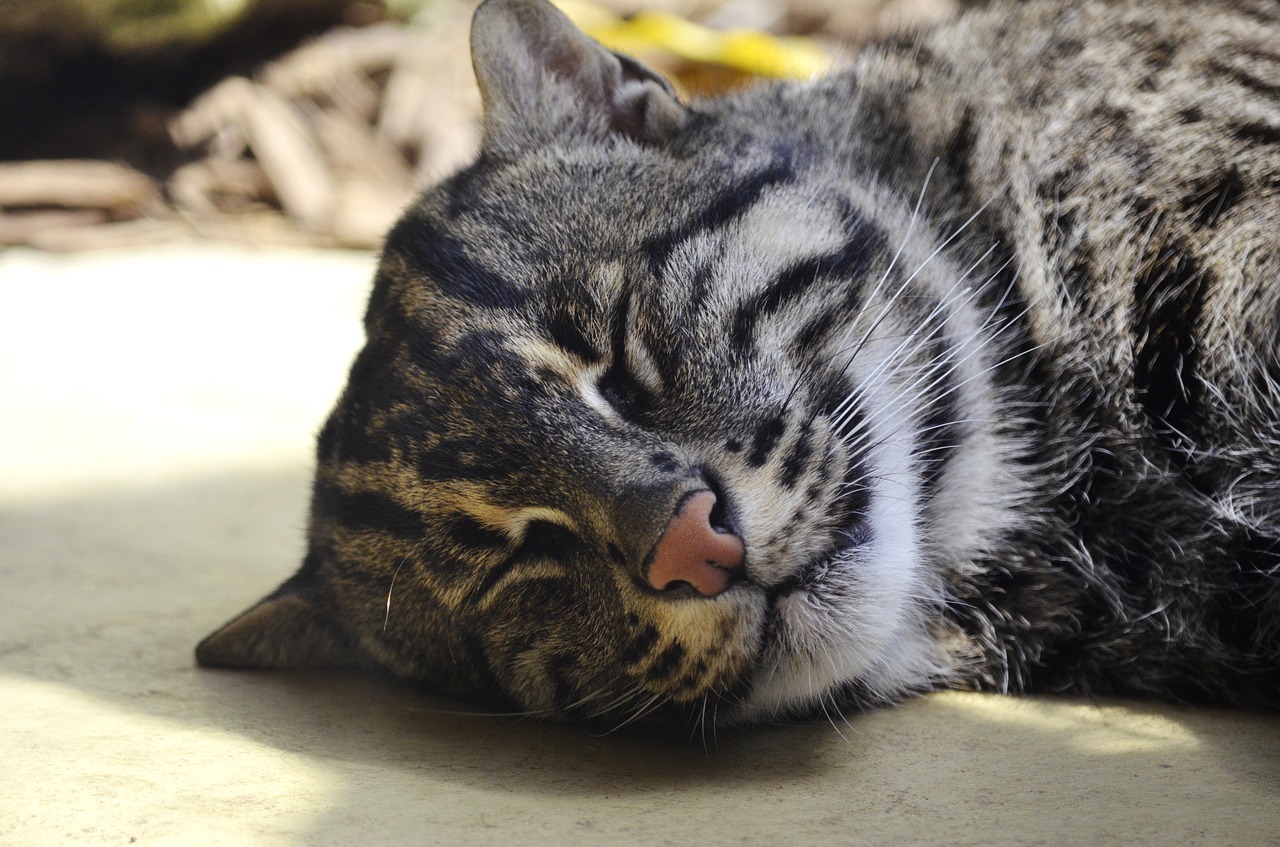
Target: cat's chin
{"x":826,"y":638}
{"x":851,"y":626}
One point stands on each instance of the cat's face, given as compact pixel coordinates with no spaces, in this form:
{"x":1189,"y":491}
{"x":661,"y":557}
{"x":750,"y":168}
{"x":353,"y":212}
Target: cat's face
{"x":640,"y":424}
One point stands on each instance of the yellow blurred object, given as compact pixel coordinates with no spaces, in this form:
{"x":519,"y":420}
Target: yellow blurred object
{"x":747,"y":51}
{"x":147,"y":24}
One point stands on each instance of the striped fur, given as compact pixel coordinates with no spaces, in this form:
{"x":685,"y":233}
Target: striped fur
{"x":975,"y":341}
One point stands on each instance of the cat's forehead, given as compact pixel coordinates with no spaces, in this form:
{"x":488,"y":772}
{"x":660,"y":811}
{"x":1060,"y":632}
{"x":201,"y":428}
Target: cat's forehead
{"x":566,"y":236}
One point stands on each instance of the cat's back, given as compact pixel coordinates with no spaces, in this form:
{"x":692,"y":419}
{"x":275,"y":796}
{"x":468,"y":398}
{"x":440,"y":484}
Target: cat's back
{"x":1127,"y":157}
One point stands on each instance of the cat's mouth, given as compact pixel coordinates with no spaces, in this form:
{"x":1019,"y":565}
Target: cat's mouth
{"x":809,"y":575}
{"x":852,"y":530}
{"x":817,"y":571}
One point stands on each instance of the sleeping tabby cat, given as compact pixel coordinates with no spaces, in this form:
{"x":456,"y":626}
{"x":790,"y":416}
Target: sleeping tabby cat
{"x":959,"y":368}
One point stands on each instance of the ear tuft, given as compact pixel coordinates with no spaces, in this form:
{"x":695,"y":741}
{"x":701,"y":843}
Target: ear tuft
{"x":541,"y":77}
{"x":283,"y":632}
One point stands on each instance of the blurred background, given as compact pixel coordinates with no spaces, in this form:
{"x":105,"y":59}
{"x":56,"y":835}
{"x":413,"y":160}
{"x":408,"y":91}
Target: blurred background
{"x":313,"y":122}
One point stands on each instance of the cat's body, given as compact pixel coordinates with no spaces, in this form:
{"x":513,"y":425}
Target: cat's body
{"x":970,"y":354}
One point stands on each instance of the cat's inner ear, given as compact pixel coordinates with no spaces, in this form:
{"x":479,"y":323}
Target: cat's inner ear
{"x":540,"y":76}
{"x":285,"y":631}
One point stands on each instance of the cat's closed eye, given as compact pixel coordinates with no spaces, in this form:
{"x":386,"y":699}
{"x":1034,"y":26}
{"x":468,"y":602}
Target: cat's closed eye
{"x":544,"y":540}
{"x":624,"y":392}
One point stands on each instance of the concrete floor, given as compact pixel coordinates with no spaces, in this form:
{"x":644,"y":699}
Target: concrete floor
{"x":156,"y":414}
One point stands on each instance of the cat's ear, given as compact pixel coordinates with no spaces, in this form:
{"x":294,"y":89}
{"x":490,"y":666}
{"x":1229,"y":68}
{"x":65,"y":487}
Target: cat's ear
{"x":285,"y":631}
{"x":542,"y":78}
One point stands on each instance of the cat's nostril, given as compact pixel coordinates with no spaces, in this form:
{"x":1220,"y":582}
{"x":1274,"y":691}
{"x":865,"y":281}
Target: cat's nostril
{"x":719,"y":518}
{"x":695,"y":551}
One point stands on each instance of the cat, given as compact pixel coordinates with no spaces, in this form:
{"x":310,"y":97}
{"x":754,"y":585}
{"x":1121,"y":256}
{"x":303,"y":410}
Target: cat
{"x":956,"y":368}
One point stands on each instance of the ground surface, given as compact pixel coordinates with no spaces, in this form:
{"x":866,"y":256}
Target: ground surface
{"x":156,"y":412}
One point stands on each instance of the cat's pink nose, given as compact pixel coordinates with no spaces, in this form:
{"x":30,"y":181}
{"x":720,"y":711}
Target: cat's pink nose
{"x":692,"y":550}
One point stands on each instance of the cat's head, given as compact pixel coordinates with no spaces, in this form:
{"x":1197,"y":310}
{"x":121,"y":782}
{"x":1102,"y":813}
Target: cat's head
{"x":651,"y":406}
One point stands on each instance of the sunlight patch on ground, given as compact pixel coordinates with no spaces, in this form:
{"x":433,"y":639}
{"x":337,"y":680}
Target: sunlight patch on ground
{"x":135,"y":366}
{"x":1100,"y":729}
{"x":122,"y":774}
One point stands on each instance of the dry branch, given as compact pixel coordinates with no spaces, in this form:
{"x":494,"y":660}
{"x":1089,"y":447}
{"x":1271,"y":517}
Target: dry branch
{"x":72,"y":184}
